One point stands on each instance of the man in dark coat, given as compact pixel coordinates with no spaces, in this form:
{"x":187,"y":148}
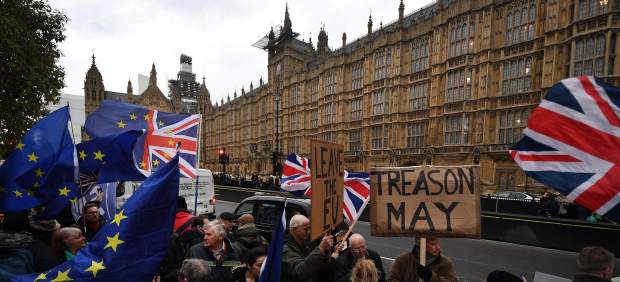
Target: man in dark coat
{"x":438,"y":268}
{"x":595,"y":265}
{"x":301,"y":262}
{"x":91,"y":220}
{"x":247,"y":237}
{"x":357,"y":251}
{"x":217,"y":251}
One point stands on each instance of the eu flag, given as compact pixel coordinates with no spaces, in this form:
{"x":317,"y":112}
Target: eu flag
{"x":167,"y":134}
{"x":111,"y":157}
{"x":132,"y":245}
{"x":42,"y":167}
{"x":270,"y":271}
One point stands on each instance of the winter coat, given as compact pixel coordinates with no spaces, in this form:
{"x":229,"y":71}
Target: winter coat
{"x":180,"y":218}
{"x":405,"y":269}
{"x":221,"y":270}
{"x":246,"y":238}
{"x":302,"y":264}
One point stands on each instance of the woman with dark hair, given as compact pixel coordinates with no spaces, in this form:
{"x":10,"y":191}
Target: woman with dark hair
{"x":253,"y":260}
{"x":66,"y":242}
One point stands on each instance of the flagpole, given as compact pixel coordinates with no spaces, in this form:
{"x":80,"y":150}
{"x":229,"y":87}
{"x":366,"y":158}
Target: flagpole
{"x":77,"y":176}
{"x":198,"y":164}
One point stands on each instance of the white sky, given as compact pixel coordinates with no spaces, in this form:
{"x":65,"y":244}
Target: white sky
{"x":128,"y":36}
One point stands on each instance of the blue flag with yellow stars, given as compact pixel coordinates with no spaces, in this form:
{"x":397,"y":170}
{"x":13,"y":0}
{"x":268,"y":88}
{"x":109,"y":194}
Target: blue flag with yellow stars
{"x":166,"y":134}
{"x":132,"y":246}
{"x":41,"y":170}
{"x":111,"y":157}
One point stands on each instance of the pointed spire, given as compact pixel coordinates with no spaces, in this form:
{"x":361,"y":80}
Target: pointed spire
{"x":260,"y":82}
{"x":153,"y":78}
{"x":251,"y":86}
{"x":401,"y":10}
{"x":370,"y":24}
{"x":242,"y":90}
{"x":288,"y":26}
{"x":344,"y":39}
{"x":203,"y":81}
{"x":129,"y":90}
{"x":93,"y":58}
{"x":235,"y":97}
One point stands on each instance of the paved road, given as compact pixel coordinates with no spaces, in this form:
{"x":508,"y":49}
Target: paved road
{"x":473,"y":259}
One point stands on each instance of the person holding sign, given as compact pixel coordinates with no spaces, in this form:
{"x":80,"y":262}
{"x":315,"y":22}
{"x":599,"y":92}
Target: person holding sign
{"x":438,"y":268}
{"x":301,"y":263}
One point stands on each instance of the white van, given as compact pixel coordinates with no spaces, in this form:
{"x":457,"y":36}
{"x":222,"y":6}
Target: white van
{"x":187,"y":188}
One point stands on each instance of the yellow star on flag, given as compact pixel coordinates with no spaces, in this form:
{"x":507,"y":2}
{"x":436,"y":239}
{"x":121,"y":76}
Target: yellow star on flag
{"x":64,"y":191}
{"x":83,"y":155}
{"x":118,"y":217}
{"x":17,"y":194}
{"x":41,"y":276}
{"x":95,"y":267}
{"x":132,"y":116}
{"x":161,"y":123}
{"x":32,"y":157}
{"x":147,"y":117}
{"x":142,"y":164}
{"x":29,"y":192}
{"x":38,"y":172}
{"x":155,"y":162}
{"x":99,"y":155}
{"x":62,"y":276}
{"x":73,"y":200}
{"x":170,"y":142}
{"x":35,"y":184}
{"x":113,"y":242}
{"x":20,"y":145}
{"x":120,"y":124}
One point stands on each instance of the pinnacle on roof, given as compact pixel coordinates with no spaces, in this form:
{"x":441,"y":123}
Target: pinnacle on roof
{"x":288,"y":26}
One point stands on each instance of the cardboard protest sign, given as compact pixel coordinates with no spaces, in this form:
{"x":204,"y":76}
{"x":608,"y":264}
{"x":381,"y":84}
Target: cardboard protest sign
{"x":425,"y":201}
{"x":327,"y":171}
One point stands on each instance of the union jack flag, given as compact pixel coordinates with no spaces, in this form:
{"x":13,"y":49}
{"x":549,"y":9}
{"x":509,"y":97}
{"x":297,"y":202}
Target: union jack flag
{"x":356,"y":194}
{"x":296,"y":176}
{"x":165,"y":133}
{"x":572,"y":143}
{"x":162,"y":140}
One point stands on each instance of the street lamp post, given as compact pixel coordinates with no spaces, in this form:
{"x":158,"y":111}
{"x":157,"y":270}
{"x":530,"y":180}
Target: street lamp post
{"x":276,"y":154}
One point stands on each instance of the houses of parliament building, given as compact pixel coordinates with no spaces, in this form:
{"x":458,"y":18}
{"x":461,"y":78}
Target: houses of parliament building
{"x":452,"y":83}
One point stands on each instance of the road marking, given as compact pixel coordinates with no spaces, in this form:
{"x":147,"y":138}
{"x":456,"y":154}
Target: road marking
{"x":390,"y":259}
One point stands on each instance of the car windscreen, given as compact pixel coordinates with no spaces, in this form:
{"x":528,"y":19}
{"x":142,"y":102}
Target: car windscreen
{"x":268,"y":212}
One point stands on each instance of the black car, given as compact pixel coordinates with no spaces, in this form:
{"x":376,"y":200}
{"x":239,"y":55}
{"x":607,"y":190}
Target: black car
{"x":266,"y":209}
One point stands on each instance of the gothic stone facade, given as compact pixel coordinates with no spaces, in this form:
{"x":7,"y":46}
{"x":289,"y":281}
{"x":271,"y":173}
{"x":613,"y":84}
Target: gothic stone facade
{"x":450,"y":84}
{"x":152,"y":97}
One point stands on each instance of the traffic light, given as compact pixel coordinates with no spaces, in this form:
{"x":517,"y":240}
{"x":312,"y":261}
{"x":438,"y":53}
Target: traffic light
{"x":222,"y":155}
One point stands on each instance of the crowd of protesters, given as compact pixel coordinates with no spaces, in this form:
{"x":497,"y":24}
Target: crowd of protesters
{"x":232,"y":249}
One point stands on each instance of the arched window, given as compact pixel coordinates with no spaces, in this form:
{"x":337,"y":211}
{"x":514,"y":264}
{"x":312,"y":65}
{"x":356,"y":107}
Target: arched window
{"x":509,"y":21}
{"x":600,"y":46}
{"x":517,"y":18}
